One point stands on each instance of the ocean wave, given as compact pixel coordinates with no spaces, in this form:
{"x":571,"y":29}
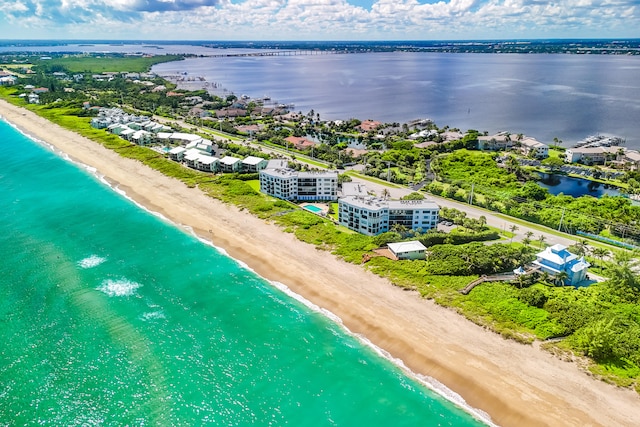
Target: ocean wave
{"x":119,"y":288}
{"x":429,"y":382}
{"x":153,"y":315}
{"x":91,"y":261}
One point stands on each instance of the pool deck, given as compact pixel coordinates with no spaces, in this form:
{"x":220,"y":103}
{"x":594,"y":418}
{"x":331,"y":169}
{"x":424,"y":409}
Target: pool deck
{"x":323,"y":209}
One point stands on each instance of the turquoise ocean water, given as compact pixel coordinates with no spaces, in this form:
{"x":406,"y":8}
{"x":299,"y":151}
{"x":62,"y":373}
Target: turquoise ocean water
{"x":112,"y":316}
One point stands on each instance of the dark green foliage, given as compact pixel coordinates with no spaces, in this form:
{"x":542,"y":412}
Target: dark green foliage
{"x":533,"y":296}
{"x":388,"y":237}
{"x":432,"y":238}
{"x":476,"y":258}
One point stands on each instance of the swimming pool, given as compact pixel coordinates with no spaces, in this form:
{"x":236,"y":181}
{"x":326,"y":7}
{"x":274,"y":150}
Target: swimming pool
{"x":312,"y":208}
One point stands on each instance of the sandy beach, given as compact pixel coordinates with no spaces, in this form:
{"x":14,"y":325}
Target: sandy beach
{"x":517,"y":385}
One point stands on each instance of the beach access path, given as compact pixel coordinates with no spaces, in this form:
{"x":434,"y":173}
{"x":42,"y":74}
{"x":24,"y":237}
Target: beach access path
{"x":516,"y":384}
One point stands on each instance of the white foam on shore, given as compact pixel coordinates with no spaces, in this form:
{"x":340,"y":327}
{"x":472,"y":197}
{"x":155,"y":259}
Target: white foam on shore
{"x":124,"y":287}
{"x":91,"y":261}
{"x":429,"y":382}
{"x":119,"y":288}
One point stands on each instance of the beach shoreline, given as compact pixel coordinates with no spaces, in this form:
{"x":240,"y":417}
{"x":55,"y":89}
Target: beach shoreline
{"x":516,"y":384}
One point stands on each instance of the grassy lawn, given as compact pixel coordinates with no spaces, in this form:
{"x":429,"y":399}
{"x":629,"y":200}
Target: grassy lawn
{"x":373,"y":179}
{"x":100,"y":64}
{"x":254,"y":184}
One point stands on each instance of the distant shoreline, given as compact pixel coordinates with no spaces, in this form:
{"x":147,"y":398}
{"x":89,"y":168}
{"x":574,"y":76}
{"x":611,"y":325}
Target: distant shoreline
{"x":617,"y":46}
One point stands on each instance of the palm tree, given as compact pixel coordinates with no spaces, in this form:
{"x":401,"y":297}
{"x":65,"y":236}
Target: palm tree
{"x":600,"y":253}
{"x":581,"y":247}
{"x":623,"y":269}
{"x":541,"y":239}
{"x":561,"y":278}
{"x":544,"y":277}
{"x":385,"y":193}
{"x":513,"y":229}
{"x":482,"y":221}
{"x":529,"y":234}
{"x":526,"y":241}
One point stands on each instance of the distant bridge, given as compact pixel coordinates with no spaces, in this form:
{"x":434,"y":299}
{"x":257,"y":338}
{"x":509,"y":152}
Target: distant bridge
{"x":296,"y":52}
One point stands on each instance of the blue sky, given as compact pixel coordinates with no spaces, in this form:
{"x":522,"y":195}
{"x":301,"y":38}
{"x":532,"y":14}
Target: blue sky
{"x":318,"y":19}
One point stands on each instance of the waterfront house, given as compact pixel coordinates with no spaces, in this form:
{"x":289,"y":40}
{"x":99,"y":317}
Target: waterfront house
{"x":368,"y":125}
{"x":408,"y":250}
{"x":253,"y":164}
{"x":629,"y":159}
{"x":499,"y":141}
{"x":533,"y":148}
{"x":142,"y":137}
{"x":230,"y":164}
{"x":371,"y":216}
{"x":33,"y":98}
{"x":556,"y":259}
{"x":191,"y":158}
{"x":208,"y":163}
{"x":116,"y":128}
{"x":177,"y":154}
{"x":127,"y":133}
{"x":591,"y":155}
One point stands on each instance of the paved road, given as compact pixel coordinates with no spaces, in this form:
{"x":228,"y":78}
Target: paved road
{"x":396,"y":193}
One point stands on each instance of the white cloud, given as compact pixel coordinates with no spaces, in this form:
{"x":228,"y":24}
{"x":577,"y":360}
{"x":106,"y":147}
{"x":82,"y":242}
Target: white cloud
{"x":318,"y":19}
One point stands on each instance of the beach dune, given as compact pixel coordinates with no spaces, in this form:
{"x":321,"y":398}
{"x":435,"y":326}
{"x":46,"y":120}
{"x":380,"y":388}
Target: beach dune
{"x":516,"y":384}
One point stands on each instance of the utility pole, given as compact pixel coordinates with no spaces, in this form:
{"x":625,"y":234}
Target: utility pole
{"x":561,"y":218}
{"x":388,"y":171}
{"x":471,"y":195}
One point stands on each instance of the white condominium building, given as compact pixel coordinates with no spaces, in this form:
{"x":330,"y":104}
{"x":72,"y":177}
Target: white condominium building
{"x":372,"y":216}
{"x":289,"y":184}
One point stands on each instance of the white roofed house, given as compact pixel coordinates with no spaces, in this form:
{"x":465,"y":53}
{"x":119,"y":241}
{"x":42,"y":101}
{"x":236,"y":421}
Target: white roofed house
{"x":533,"y":148}
{"x":191,"y":158}
{"x":230,"y":164}
{"x":116,"y":128}
{"x":204,"y":145}
{"x":127,"y":133}
{"x":499,"y":141}
{"x":557,"y":259}
{"x":253,"y":164}
{"x":183,"y":138}
{"x":177,"y":154}
{"x":591,"y":155}
{"x":208,"y":163}
{"x":142,"y":137}
{"x":408,"y":250}
{"x":631,"y":158}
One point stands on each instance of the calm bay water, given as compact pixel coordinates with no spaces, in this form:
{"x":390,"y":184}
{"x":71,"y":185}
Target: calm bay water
{"x":576,"y":187}
{"x":544,"y":96}
{"x":111,"y":316}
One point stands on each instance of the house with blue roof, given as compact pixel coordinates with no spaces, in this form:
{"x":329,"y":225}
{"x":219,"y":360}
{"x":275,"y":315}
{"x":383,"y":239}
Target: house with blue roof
{"x":555,"y":259}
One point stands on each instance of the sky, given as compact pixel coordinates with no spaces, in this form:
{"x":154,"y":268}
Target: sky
{"x":318,"y":19}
